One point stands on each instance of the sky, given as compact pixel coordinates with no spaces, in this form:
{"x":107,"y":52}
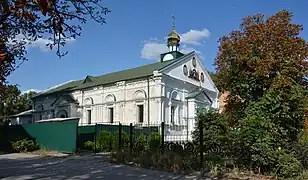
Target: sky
{"x":135,"y":35}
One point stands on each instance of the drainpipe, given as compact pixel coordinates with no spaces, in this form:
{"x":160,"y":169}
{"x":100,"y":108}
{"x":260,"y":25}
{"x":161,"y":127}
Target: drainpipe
{"x":162,"y":106}
{"x":187,"y":117}
{"x":148,"y":103}
{"x":33,"y":113}
{"x":81,"y":115}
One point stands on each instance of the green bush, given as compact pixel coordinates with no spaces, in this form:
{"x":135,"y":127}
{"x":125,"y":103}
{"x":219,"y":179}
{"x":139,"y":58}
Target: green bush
{"x":304,"y":137}
{"x":115,"y":140}
{"x":141,"y":139}
{"x":303,"y":176}
{"x":24,"y":145}
{"x":300,"y":152}
{"x":104,"y":141}
{"x":154,"y":142}
{"x":140,"y":143}
{"x":89,"y":145}
{"x":287,"y":165}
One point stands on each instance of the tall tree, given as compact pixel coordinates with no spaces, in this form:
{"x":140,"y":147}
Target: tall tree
{"x":23,"y":21}
{"x":13,"y":102}
{"x":250,"y":58}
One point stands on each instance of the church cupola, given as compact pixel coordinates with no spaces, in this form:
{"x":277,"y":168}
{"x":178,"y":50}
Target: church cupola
{"x":173,"y":39}
{"x":173,"y":43}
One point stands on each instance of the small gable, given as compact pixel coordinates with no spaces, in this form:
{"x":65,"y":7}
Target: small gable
{"x":190,"y":69}
{"x":200,"y":96}
{"x":63,"y":100}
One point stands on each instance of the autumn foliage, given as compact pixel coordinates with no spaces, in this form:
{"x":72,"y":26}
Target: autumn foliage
{"x":264,"y":68}
{"x":250,"y":58}
{"x":23,"y":21}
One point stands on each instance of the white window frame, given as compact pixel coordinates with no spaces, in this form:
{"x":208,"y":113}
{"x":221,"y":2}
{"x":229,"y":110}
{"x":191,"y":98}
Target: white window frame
{"x":89,"y":120}
{"x":108,"y":113}
{"x":137,"y":103}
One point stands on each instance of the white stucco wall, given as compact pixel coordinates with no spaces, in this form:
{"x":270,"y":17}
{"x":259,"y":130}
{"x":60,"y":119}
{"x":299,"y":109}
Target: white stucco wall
{"x":123,"y":97}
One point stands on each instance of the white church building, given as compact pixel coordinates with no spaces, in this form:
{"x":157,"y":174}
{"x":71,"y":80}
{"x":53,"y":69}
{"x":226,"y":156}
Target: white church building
{"x":167,"y":91}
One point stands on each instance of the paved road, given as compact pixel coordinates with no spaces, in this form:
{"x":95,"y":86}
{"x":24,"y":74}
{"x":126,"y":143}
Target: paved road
{"x":24,"y":166}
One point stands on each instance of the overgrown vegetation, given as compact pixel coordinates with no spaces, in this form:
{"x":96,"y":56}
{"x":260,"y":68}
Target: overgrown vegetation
{"x":109,"y":142}
{"x":24,"y":145}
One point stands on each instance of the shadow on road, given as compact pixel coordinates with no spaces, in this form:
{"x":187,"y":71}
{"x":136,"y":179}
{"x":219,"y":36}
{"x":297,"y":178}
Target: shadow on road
{"x":76,"y":167}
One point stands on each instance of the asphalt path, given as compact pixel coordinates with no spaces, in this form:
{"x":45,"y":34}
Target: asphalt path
{"x":26,"y":166}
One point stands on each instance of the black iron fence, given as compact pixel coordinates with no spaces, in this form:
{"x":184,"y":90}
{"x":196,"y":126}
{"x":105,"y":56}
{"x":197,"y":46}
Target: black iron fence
{"x":157,"y":138}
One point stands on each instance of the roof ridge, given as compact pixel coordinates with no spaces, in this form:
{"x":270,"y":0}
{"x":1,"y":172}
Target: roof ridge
{"x":178,"y":59}
{"x":112,"y":77}
{"x":134,"y":68}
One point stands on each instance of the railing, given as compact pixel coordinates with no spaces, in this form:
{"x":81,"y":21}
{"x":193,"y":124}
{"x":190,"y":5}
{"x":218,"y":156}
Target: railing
{"x":107,"y":137}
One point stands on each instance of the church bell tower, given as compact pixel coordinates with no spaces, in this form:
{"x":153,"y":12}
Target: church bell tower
{"x":173,"y":43}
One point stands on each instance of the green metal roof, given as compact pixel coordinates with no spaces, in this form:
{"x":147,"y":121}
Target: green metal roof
{"x":128,"y":74}
{"x":196,"y":92}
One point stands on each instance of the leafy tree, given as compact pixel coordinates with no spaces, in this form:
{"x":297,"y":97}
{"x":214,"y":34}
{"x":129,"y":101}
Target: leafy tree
{"x":215,"y":131}
{"x":272,"y":123}
{"x":23,"y":21}
{"x":264,"y":66}
{"x":214,"y":78}
{"x":13,"y":102}
{"x":25,"y":98}
{"x":250,"y":58}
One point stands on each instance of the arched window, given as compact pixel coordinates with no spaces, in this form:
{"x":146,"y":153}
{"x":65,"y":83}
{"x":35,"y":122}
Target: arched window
{"x":139,"y":98}
{"x":175,"y":107}
{"x":62,"y":114}
{"x":88,"y":101}
{"x":140,"y":95}
{"x":110,"y":99}
{"x":174,"y":95}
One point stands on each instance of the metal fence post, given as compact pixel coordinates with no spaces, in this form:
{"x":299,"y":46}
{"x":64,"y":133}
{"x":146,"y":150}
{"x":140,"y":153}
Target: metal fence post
{"x":131,"y":138}
{"x":95,"y":134}
{"x":120,"y":136}
{"x":201,"y":143}
{"x":163,"y":136}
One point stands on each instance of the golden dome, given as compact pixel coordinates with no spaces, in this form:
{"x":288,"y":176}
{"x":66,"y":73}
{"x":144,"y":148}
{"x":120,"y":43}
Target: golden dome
{"x":173,"y":37}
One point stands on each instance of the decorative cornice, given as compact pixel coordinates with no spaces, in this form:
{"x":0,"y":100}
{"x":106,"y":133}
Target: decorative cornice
{"x":122,"y":101}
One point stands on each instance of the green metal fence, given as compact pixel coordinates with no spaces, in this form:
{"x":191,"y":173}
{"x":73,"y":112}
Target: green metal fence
{"x":55,"y":136}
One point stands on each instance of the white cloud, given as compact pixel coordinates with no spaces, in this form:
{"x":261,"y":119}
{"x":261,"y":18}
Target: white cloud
{"x":194,"y":37}
{"x":153,"y":48}
{"x":29,"y":90}
{"x":40,"y":42}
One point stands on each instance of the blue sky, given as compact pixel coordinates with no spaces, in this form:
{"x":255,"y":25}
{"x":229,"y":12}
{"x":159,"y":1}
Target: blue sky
{"x":134,"y":35}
